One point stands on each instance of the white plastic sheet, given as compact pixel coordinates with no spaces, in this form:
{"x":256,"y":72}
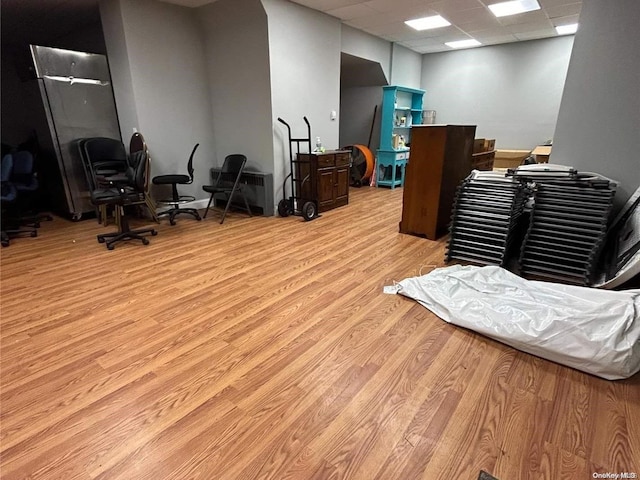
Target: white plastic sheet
{"x":596,"y":331}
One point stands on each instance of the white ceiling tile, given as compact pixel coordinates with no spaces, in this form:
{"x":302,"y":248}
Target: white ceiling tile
{"x":352,"y":11}
{"x":325,"y":5}
{"x":532,"y":27}
{"x":568,"y":20}
{"x":527,"y":17}
{"x":390,"y":6}
{"x":533,"y":35}
{"x":564,"y":10}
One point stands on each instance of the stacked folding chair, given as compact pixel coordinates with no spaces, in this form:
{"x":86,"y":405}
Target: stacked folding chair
{"x":567,"y":226}
{"x":485,"y":217}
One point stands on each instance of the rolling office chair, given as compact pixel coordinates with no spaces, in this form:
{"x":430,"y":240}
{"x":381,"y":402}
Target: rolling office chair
{"x":121,"y":191}
{"x":106,"y":157}
{"x":228,"y":183}
{"x":25,"y":179}
{"x":9,"y":195}
{"x":176,"y":199}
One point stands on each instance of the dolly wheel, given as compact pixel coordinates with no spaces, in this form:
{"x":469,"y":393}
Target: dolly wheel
{"x":309,"y":211}
{"x":283,"y":208}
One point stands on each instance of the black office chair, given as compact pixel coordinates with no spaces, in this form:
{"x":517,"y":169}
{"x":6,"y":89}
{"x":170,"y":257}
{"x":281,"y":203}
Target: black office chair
{"x":228,"y":183}
{"x":176,"y":199}
{"x":121,"y":191}
{"x":107,"y":157}
{"x":8,"y":196}
{"x":25,"y":178}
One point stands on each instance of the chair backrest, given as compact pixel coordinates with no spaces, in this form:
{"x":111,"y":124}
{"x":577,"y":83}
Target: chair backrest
{"x":137,"y":143}
{"x":7,"y":191}
{"x":231,"y":170}
{"x":190,"y":163}
{"x":7,"y":167}
{"x":102,"y":148}
{"x":139,"y":163}
{"x":22,"y":164}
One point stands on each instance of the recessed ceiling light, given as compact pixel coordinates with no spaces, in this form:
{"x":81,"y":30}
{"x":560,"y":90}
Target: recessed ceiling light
{"x":567,"y":29}
{"x":427,"y":23}
{"x":511,"y":8}
{"x":471,"y":42}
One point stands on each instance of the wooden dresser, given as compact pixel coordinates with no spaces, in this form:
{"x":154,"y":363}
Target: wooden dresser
{"x":327,"y":178}
{"x":440,"y":160}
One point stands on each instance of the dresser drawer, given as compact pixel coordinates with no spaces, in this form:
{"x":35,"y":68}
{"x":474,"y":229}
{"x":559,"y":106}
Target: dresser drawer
{"x":342,"y":159}
{"x":326,"y":160}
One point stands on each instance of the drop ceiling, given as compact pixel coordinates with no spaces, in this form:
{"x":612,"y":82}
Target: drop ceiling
{"x":381,"y":18}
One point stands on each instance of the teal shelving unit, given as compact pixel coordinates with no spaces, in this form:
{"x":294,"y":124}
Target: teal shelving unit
{"x":401,"y":108}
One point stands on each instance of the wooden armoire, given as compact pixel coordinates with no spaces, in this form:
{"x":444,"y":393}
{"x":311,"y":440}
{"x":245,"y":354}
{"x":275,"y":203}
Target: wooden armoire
{"x":440,"y":160}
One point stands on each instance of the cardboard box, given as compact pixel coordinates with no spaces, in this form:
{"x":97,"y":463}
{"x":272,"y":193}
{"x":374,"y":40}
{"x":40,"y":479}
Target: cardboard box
{"x":478,"y":145}
{"x":509,"y":158}
{"x":542,"y":153}
{"x":489,"y":144}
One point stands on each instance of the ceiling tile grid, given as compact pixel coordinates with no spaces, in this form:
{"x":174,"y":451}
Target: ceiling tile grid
{"x":469,"y":19}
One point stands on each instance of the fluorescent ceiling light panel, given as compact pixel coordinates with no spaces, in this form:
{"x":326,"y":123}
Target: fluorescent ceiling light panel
{"x":472,"y":42}
{"x":511,"y":8}
{"x":567,"y":29}
{"x":427,"y":23}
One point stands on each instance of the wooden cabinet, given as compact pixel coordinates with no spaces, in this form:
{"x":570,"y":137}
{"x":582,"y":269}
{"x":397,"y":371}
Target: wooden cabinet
{"x":440,"y":160}
{"x":324,"y":178}
{"x":401,"y":109}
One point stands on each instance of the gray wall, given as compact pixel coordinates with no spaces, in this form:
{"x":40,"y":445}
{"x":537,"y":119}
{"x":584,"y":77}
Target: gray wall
{"x":599,"y":122}
{"x":361,"y":44}
{"x":356,"y":113}
{"x":511,"y":92}
{"x":304,"y":51}
{"x":167,"y":64}
{"x":237,"y":51}
{"x":406,"y":67}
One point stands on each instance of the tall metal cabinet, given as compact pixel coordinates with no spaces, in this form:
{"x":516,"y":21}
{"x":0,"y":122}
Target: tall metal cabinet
{"x":401,"y":109}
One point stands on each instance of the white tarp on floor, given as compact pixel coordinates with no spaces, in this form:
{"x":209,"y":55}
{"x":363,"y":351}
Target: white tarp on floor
{"x":596,"y":331}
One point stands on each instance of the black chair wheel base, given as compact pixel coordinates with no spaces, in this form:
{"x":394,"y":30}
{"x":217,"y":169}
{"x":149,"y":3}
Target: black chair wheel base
{"x":145,"y":241}
{"x":100,"y":239}
{"x":154,"y":233}
{"x":110,"y":247}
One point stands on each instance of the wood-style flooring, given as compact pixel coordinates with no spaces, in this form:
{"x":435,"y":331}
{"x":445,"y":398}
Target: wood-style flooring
{"x":265,"y":348}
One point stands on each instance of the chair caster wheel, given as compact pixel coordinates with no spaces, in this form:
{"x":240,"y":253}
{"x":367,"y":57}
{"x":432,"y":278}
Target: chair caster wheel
{"x":172,"y":222}
{"x":110,"y":247}
{"x":5,"y":243}
{"x":34,"y":234}
{"x":36,"y":225}
{"x":145,"y":241}
{"x":100,"y":240}
{"x":153,"y":233}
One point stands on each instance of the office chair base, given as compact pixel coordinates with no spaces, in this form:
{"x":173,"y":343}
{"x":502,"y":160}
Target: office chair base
{"x":125,"y":233}
{"x":173,"y":212}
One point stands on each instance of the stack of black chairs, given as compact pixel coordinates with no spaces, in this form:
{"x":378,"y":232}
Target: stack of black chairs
{"x":485,"y":216}
{"x":118,"y":181}
{"x":546,"y":222}
{"x":567,"y":227}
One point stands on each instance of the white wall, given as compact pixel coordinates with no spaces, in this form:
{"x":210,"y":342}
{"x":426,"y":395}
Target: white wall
{"x":304,"y":51}
{"x":511,"y":92}
{"x":361,"y":44}
{"x":599,"y":121}
{"x":237,"y":56}
{"x":167,"y":65}
{"x":406,"y":67}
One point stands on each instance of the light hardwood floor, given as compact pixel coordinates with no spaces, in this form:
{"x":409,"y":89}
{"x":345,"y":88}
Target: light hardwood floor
{"x":265,"y":348}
